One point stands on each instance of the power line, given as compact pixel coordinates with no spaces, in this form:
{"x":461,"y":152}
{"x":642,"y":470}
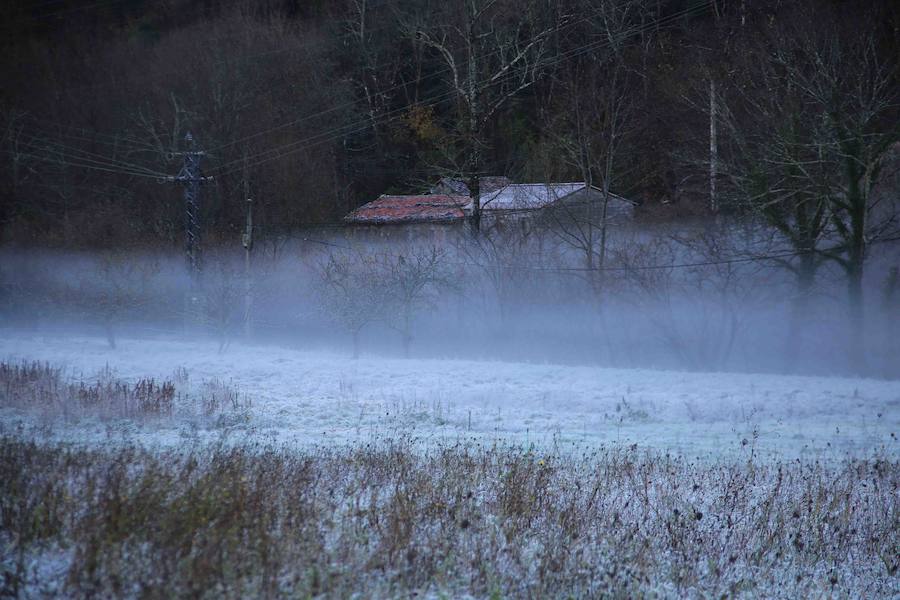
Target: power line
{"x":90,"y":157}
{"x":106,"y":139}
{"x":361,"y":125}
{"x":141,"y":145}
{"x":83,"y":161}
{"x":87,"y":166}
{"x":321,"y":137}
{"x":556,"y":60}
{"x":442,"y":71}
{"x":116,"y":141}
{"x":89,"y":160}
{"x":660,"y":267}
{"x":329,"y":135}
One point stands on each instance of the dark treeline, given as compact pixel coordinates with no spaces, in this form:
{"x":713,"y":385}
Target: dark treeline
{"x":316,"y":107}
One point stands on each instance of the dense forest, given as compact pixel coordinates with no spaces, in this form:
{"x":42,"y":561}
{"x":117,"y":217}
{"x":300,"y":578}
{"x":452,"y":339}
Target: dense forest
{"x":315,"y":107}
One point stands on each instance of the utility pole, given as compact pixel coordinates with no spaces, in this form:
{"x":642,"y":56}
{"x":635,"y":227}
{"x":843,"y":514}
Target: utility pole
{"x":190,"y":177}
{"x":713,"y":149}
{"x":247,"y":241}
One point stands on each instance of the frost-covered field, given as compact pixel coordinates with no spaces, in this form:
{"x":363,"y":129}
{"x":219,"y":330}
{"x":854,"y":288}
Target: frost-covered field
{"x":273,"y":472}
{"x":304,"y":398}
{"x":456,"y":521}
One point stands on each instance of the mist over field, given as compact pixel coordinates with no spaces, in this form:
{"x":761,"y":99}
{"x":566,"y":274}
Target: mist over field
{"x":450,"y":299}
{"x":657,"y":304}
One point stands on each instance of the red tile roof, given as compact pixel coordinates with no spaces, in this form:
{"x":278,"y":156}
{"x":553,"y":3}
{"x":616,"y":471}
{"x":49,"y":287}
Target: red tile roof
{"x":410,"y":209}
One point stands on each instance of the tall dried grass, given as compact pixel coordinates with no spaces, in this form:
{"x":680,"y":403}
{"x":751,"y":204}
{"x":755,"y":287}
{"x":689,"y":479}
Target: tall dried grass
{"x":41,"y":388}
{"x":484,"y":521}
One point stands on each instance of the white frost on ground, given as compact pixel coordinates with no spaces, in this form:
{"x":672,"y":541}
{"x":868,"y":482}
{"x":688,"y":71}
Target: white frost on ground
{"x":304,"y":397}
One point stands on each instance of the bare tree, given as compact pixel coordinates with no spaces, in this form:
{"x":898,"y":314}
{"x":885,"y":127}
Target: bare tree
{"x":695,"y":289}
{"x":777,"y":172}
{"x":504,"y":255}
{"x":362,"y":288}
{"x":826,"y":119}
{"x":493,"y":51}
{"x":376,"y":74}
{"x":223,"y":288}
{"x":352,"y":294}
{"x":591,"y":142}
{"x":415,"y":280}
{"x":115,"y":287}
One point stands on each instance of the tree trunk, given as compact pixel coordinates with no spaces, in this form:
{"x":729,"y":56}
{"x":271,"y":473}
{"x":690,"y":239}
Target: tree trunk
{"x":856,"y":255}
{"x":248,"y":277}
{"x":856,"y":342}
{"x":407,"y":342}
{"x":110,"y":334}
{"x":406,"y":334}
{"x":589,"y":226}
{"x":806,"y":275}
{"x":474,"y":184}
{"x":604,"y":215}
{"x":891,"y":331}
{"x":589,"y":234}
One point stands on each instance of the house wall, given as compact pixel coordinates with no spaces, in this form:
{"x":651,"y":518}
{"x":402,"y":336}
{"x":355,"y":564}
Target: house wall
{"x":617,"y":210}
{"x":403,"y":233}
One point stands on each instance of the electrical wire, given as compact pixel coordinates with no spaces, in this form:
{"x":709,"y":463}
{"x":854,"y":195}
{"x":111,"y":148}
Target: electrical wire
{"x":84,"y":162}
{"x":351,"y":104}
{"x":766,"y":258}
{"x":95,"y":137}
{"x":115,"y":140}
{"x":446,"y":70}
{"x":355,"y":127}
{"x":362,"y":125}
{"x":90,"y":157}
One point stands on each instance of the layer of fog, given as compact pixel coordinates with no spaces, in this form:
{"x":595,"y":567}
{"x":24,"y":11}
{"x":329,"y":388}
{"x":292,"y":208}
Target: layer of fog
{"x":509,"y":297}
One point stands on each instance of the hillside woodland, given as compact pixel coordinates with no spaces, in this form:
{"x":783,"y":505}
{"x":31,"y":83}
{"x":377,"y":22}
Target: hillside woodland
{"x":316,"y":107}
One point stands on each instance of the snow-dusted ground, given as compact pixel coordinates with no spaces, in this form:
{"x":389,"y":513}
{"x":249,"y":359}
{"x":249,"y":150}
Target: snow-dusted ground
{"x":322,"y":398}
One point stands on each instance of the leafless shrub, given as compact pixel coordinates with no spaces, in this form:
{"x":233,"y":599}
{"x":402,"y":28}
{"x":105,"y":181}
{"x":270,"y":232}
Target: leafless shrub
{"x":223,"y":295}
{"x":217,"y":397}
{"x":180,"y":376}
{"x":351,"y":293}
{"x":360,"y":288}
{"x":672,"y":275}
{"x":415,"y":279}
{"x":116,"y":287}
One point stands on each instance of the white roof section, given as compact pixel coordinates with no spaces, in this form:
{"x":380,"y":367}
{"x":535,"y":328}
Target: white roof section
{"x":528,"y":195}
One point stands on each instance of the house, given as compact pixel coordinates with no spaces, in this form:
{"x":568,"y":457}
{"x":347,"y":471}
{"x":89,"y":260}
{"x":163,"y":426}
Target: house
{"x":522,"y":202}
